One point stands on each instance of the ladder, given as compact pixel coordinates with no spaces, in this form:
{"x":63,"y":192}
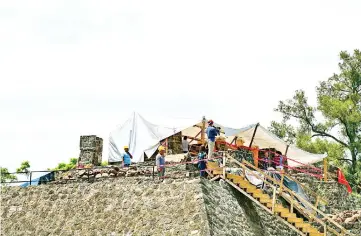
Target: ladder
{"x":312,"y":222}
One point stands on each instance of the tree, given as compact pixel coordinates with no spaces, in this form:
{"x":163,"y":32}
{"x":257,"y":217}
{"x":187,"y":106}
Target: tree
{"x":67,"y":166}
{"x":339,"y":103}
{"x":5,"y":176}
{"x":284,"y":131}
{"x":24,"y":167}
{"x":288,"y":133}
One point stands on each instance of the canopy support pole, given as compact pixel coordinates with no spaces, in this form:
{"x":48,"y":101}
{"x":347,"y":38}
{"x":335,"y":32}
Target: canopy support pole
{"x":234,"y":140}
{"x":203,"y":129}
{"x":287,"y":149}
{"x":286,"y":161}
{"x":195,"y":137}
{"x":254,"y":133}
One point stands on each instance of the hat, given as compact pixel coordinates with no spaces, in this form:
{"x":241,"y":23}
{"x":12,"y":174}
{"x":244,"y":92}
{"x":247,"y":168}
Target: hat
{"x":210,"y":122}
{"x":126,"y":147}
{"x":161,"y":148}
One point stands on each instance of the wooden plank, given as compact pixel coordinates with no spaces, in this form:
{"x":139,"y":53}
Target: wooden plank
{"x":293,"y":195}
{"x":215,"y":178}
{"x":265,"y":208}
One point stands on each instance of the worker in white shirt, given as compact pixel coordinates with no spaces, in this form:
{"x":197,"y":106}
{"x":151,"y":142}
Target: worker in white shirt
{"x":185,"y":144}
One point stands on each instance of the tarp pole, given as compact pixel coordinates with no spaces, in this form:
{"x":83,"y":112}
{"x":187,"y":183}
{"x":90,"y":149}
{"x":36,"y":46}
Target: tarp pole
{"x":31,"y":173}
{"x":203,"y":129}
{"x":254,"y":133}
{"x":287,"y":149}
{"x":234,"y":140}
{"x":195,"y":138}
{"x":286,"y":160}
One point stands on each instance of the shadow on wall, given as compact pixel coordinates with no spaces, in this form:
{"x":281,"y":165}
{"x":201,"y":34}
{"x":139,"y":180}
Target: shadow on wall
{"x":229,"y":212}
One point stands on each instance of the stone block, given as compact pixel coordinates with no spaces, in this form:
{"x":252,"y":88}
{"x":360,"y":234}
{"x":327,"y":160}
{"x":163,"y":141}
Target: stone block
{"x":88,"y":142}
{"x":88,"y":157}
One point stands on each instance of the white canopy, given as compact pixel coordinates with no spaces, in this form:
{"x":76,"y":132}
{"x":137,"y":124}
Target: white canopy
{"x":143,"y":136}
{"x":266,"y":139}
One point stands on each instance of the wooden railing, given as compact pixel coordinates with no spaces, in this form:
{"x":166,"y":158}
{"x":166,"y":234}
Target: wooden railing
{"x":294,"y":198}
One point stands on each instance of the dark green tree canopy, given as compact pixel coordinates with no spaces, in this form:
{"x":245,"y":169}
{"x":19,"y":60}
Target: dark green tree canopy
{"x":339,"y":102}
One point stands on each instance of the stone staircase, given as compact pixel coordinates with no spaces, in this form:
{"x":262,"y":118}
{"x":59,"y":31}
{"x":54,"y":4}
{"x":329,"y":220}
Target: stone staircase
{"x":310,"y":225}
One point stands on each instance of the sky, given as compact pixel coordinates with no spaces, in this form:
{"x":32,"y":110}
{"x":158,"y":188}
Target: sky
{"x":79,"y":67}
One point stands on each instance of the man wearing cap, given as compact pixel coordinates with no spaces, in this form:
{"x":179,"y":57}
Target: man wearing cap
{"x":160,"y":161}
{"x":212,"y":132}
{"x":127,"y":157}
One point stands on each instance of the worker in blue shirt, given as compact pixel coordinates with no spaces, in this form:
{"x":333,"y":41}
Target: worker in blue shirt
{"x":202,"y":155}
{"x":127,"y":157}
{"x":212,"y":132}
{"x":160,"y":162}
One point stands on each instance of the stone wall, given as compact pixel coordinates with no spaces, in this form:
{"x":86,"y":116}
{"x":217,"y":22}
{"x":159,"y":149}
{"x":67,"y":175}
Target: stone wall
{"x":135,"y":205}
{"x":231,"y":213}
{"x":338,"y":198}
{"x":343,"y":207}
{"x":110,"y":207}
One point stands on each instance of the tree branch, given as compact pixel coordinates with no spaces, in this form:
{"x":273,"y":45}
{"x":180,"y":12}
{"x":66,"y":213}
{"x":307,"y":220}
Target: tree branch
{"x":345,"y":160}
{"x":324,"y":134}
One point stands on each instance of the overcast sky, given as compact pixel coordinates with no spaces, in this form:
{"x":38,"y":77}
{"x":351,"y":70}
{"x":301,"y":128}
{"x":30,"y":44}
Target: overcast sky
{"x":70,"y":68}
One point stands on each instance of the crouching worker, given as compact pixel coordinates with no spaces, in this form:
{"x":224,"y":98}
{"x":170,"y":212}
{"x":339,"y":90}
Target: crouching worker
{"x":202,"y":161}
{"x":160,"y":162}
{"x":127,"y":157}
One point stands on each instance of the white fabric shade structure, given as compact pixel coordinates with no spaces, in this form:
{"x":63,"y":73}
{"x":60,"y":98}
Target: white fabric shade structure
{"x":144,"y":136}
{"x":266,"y":139}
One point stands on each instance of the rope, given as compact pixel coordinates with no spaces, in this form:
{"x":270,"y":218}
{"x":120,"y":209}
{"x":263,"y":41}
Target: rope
{"x":300,"y":170}
{"x":284,"y":156}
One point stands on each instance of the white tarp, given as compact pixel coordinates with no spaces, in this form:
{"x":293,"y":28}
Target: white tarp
{"x":265,"y":139}
{"x":143,"y":136}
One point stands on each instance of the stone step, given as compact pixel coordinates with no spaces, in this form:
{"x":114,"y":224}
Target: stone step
{"x":302,"y":225}
{"x":317,"y":234}
{"x":310,"y":230}
{"x":281,"y":209}
{"x":287,"y":214}
{"x":265,"y":200}
{"x":257,"y":193}
{"x":294,"y":220}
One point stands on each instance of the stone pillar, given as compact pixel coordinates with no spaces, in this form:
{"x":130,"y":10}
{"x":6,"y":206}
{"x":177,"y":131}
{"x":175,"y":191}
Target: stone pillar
{"x":91,"y":148}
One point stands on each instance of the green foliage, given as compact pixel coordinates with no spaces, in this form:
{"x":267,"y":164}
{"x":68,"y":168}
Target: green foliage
{"x":283,"y":131}
{"x":72,"y":164}
{"x":24,"y":167}
{"x":335,"y":151}
{"x":5,"y":176}
{"x":339,"y":102}
{"x":304,"y":140}
{"x":104,"y":163}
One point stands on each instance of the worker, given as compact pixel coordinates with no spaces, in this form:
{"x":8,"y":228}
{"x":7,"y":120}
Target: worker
{"x":185,"y":144}
{"x":202,"y":160}
{"x":278,"y":160}
{"x":212,"y":132}
{"x":127,"y":157}
{"x":160,"y":162}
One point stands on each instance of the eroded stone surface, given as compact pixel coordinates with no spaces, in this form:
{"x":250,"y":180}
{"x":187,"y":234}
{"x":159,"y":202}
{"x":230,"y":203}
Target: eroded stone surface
{"x":112,"y":207}
{"x":140,"y":206}
{"x":231,"y":213}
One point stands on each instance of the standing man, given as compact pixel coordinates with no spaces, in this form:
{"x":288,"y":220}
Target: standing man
{"x":127,"y":157}
{"x":160,"y":162}
{"x":185,"y":144}
{"x":212,"y":132}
